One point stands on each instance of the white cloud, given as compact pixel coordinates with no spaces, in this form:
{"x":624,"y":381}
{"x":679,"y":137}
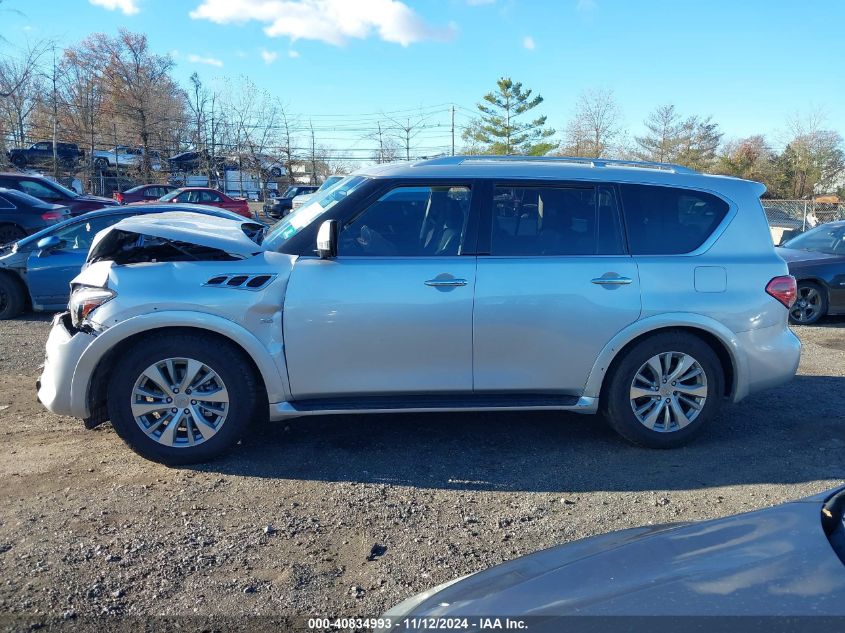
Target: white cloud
{"x":330,"y":21}
{"x":128,"y":7}
{"x":269,"y":56}
{"x":586,"y":6}
{"x":208,"y":61}
{"x":293,"y":54}
{"x":528,"y":42}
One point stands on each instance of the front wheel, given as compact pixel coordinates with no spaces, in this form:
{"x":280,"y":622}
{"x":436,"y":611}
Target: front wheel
{"x":810,"y":304}
{"x":182,"y":399}
{"x":664,"y":390}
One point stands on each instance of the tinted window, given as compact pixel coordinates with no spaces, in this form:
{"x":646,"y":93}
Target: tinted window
{"x":824,"y":239}
{"x":410,"y":222}
{"x":667,"y":221}
{"x":552,"y":221}
{"x":208,"y":196}
{"x":37,"y":189}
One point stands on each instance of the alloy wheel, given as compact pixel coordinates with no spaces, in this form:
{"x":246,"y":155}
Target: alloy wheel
{"x":807,"y":305}
{"x":668,"y":391}
{"x":179,"y":402}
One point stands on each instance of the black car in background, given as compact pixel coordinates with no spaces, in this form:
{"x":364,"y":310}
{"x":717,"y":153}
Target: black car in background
{"x":817,"y":261}
{"x":41,"y":153}
{"x":52,"y":192}
{"x":22,"y":215}
{"x":281,"y":205}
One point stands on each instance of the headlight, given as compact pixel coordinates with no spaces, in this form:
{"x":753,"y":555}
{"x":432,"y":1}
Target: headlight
{"x":84,"y":300}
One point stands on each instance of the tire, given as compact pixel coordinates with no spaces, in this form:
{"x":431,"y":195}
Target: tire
{"x":168,"y":441}
{"x":275,"y":172}
{"x":810,"y":304}
{"x":10,"y":233}
{"x":101,"y":163}
{"x":12,"y":297}
{"x":704,"y":389}
{"x":19,"y":161}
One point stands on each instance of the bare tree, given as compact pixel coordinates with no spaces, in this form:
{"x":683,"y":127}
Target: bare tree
{"x":595,"y":126}
{"x":21,"y":85}
{"x":387,"y":149}
{"x":814,"y":157}
{"x":289,"y":126}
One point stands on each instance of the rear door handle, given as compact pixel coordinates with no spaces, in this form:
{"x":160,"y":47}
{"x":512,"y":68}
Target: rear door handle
{"x":446,"y":283}
{"x":612,"y":281}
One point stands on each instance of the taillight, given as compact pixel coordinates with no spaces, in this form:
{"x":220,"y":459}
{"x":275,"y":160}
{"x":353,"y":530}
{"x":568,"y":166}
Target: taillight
{"x":118,"y":196}
{"x":784,"y":289}
{"x":52,"y":215}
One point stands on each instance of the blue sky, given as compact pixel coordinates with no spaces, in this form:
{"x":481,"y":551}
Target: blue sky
{"x":748,"y":63}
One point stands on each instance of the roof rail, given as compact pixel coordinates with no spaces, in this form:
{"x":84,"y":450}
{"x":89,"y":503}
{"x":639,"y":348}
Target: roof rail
{"x":590,"y":162}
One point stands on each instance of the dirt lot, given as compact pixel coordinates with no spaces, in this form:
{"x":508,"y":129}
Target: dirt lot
{"x":346,"y":516}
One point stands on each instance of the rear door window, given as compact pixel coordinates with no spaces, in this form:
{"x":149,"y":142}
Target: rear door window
{"x":555,"y":221}
{"x":669,"y":221}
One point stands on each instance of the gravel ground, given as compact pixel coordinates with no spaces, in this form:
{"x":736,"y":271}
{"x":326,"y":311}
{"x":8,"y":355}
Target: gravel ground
{"x":346,"y":516}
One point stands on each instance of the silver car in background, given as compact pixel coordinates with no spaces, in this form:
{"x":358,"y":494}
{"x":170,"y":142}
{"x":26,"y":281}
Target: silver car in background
{"x":647,"y":292}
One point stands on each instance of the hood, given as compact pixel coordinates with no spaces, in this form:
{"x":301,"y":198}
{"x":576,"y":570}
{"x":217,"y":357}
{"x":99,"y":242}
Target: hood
{"x":776,"y":561}
{"x":221,"y":235}
{"x":793,"y":255}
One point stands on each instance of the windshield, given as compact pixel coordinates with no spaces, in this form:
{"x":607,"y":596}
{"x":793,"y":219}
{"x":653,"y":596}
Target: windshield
{"x":311,"y":211}
{"x":330,"y":181}
{"x":823,"y":239}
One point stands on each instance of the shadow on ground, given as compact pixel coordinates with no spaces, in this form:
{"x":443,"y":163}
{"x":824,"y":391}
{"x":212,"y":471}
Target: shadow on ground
{"x":791,"y":434}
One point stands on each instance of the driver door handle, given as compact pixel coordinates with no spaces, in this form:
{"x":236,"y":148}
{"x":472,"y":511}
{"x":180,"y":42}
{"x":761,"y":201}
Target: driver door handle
{"x":612,"y":281}
{"x":446,"y":283}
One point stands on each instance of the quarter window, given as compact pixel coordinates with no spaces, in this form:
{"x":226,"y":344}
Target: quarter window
{"x":410,"y":222}
{"x":532,"y":221}
{"x":668,"y":221}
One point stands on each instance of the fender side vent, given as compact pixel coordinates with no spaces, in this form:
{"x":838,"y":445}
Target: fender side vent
{"x":241,"y":282}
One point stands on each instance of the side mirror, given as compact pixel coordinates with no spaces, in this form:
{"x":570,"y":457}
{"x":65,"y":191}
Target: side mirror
{"x":327,"y":239}
{"x":47,"y":244}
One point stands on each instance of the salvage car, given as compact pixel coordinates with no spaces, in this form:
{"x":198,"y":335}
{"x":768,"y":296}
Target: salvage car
{"x":41,"y":153}
{"x":22,"y":215}
{"x":143,"y":193}
{"x":35,"y":272}
{"x":54,"y":193}
{"x":788,"y":560}
{"x":208,"y":197}
{"x":817,"y":260}
{"x":646,"y":291}
{"x":124,"y":156}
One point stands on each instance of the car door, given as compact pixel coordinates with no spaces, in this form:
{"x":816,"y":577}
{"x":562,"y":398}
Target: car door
{"x":392,"y":313}
{"x":554,"y":285}
{"x":48,"y":274}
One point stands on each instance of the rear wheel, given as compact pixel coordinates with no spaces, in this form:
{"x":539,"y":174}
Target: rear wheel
{"x":664,"y":391}
{"x":182,"y":399}
{"x":810,"y":304}
{"x":12,"y":297}
{"x":19,"y":161}
{"x":101,"y":164}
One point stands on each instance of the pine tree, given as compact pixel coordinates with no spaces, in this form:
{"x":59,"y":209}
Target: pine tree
{"x":501,"y":128}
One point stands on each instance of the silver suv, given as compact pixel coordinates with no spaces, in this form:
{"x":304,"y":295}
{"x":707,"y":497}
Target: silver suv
{"x":646,"y":291}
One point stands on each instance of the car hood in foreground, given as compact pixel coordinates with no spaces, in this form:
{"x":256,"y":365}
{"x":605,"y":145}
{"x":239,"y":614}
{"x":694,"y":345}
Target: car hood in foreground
{"x":776,"y":561}
{"x":222,"y":234}
{"x":795,"y":256}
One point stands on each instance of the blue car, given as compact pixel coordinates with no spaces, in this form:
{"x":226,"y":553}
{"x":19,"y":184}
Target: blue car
{"x":35,"y":272}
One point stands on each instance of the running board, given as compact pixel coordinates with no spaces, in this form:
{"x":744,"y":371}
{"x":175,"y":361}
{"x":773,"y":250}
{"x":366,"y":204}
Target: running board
{"x":432,"y":403}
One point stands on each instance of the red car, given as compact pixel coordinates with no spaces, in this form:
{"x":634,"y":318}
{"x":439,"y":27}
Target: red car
{"x":208,"y":197}
{"x":142,"y":193}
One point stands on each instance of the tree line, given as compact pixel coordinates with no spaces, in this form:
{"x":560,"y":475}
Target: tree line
{"x":114,"y":90}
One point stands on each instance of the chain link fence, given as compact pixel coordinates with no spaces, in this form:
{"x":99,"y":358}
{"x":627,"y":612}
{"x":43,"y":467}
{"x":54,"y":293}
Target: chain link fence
{"x":788,"y":218}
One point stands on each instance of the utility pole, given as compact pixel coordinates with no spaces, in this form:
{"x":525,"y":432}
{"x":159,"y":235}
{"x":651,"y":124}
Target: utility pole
{"x":453,"y":129}
{"x":116,"y":159}
{"x":380,"y":145}
{"x":313,"y":156}
{"x":408,"y":141}
{"x":55,"y":121}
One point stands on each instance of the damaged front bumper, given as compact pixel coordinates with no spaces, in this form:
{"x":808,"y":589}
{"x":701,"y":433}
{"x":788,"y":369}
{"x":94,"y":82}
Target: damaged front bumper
{"x":65,"y":346}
